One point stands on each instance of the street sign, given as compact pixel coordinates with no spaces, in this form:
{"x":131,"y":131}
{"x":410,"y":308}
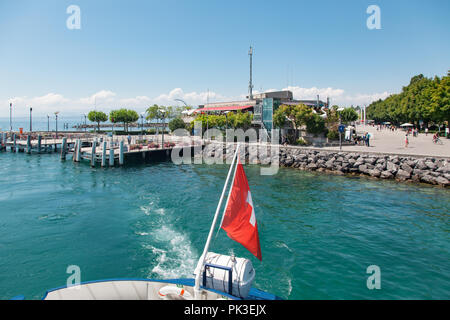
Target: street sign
{"x":341,"y":128}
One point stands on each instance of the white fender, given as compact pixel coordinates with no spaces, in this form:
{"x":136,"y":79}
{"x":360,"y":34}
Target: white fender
{"x":164,"y":291}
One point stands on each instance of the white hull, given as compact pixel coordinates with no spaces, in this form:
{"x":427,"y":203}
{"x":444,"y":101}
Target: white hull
{"x":145,"y":289}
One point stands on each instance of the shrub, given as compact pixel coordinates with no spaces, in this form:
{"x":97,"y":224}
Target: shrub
{"x":169,"y":145}
{"x":333,"y":135}
{"x":177,"y":123}
{"x":315,"y":124}
{"x":302,"y":142}
{"x":153,"y":145}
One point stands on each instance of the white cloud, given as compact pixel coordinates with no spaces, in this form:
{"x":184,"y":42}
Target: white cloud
{"x":311,"y":93}
{"x":103,"y":96}
{"x":50,"y":99}
{"x":139,"y":101}
{"x":365,"y":99}
{"x":337,"y":96}
{"x":107,"y":100}
{"x":193,"y":98}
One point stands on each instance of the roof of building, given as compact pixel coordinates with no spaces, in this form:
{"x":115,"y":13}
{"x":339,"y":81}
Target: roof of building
{"x":223,"y":108}
{"x":305,"y":102}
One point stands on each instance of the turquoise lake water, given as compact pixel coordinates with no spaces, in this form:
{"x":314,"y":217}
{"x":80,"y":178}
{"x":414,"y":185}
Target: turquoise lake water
{"x":318,"y":232}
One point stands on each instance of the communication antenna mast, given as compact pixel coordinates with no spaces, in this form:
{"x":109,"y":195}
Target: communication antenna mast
{"x":250,"y":86}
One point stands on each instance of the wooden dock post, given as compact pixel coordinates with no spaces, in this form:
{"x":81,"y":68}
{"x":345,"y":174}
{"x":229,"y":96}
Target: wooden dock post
{"x":64,"y":148}
{"x":121,"y":158}
{"x":77,"y":151}
{"x":4,"y":141}
{"x":39,"y":146}
{"x":94,"y":146}
{"x":15,"y":143}
{"x":104,"y":154}
{"x":29,"y":144}
{"x":111,"y":156}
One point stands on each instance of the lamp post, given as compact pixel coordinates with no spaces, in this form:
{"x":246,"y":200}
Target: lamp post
{"x":31,"y":120}
{"x":85,"y":123}
{"x":48,"y":123}
{"x":162,"y":116}
{"x":56,"y":121}
{"x":10,"y":118}
{"x":142,"y":123}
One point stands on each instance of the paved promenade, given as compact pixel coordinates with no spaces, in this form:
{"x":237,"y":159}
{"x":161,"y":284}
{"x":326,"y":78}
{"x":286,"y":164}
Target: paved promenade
{"x":386,"y":141}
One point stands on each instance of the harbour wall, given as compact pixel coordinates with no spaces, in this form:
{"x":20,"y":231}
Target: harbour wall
{"x":430,"y":170}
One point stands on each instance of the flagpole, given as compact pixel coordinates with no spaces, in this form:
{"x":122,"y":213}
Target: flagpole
{"x":201,"y":261}
{"x":228,"y":200}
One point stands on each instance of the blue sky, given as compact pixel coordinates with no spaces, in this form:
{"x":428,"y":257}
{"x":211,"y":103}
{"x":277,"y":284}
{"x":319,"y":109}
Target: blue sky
{"x":135,"y":53}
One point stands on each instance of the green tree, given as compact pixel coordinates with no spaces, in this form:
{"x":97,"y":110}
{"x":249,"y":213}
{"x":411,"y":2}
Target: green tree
{"x":297,"y":116}
{"x":332,"y":116}
{"x":238,"y":120}
{"x":97,"y":116}
{"x":176,"y":123}
{"x":315,"y":124}
{"x":243,"y":120}
{"x":125,"y":116}
{"x":440,"y":100}
{"x":423,"y":99}
{"x":348,"y":115}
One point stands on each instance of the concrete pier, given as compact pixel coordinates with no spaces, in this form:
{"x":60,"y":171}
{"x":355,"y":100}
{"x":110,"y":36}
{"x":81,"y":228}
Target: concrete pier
{"x":94,"y":149}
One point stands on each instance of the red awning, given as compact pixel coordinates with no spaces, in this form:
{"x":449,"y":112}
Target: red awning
{"x":231,"y":108}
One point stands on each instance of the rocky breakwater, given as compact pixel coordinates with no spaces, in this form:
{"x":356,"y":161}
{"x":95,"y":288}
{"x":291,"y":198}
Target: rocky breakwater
{"x":429,"y":170}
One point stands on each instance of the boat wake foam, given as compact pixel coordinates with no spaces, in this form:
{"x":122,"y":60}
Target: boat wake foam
{"x":178,"y":260}
{"x":172,"y":250}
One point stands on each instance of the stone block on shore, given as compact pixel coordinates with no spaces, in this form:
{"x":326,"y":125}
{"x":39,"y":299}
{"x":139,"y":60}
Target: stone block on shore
{"x":442,"y":181}
{"x":375,"y":173}
{"x":406,"y":167}
{"x":428,"y":179}
{"x":431,"y":165}
{"x":386,"y":175}
{"x":392,"y":167}
{"x":402,"y":168}
{"x":403,"y":175}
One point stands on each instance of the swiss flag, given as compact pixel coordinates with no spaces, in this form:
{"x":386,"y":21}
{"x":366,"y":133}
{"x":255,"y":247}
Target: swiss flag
{"x":239,"y":220}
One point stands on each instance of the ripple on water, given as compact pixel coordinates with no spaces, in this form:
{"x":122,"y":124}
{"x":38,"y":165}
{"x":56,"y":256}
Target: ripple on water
{"x":318,"y":233}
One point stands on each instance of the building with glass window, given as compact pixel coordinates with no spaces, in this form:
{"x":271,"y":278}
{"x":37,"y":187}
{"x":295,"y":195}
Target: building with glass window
{"x":263,"y":105}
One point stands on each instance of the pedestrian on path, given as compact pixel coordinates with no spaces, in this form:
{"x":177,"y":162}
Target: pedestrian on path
{"x":406,"y":140}
{"x":367,"y":139}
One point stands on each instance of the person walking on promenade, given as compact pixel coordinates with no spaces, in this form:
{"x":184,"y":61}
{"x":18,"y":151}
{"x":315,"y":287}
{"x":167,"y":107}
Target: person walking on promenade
{"x":406,"y":140}
{"x":426,"y":131}
{"x":367,"y":138}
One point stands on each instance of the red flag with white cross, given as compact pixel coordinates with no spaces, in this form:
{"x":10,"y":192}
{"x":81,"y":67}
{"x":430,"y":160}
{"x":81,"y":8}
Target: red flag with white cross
{"x":239,"y":220}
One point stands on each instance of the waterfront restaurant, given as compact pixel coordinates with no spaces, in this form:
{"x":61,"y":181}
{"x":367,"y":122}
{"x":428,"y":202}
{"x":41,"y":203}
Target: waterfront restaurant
{"x":262,"y":105}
